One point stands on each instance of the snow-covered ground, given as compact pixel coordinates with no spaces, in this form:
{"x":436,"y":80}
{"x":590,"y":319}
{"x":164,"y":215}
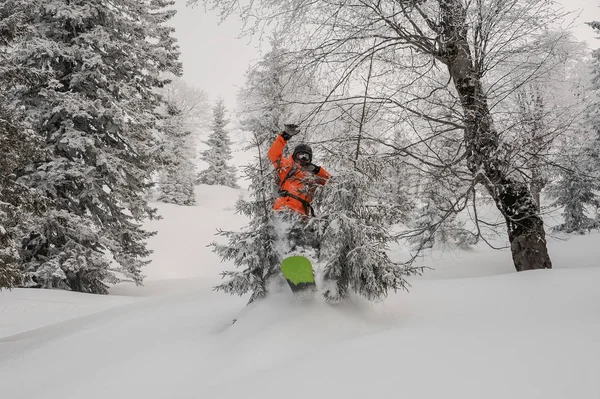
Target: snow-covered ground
{"x":471,"y":328}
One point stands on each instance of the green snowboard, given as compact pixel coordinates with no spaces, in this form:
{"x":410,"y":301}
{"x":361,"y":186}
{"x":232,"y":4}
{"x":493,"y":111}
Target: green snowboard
{"x":299,"y":274}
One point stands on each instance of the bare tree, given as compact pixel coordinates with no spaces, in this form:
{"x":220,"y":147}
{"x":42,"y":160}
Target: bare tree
{"x":192,"y":103}
{"x":441,"y":70}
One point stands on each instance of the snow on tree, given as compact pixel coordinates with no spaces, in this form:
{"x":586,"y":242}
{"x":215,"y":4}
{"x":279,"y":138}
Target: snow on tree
{"x":356,"y":231}
{"x":576,"y":190}
{"x":19,"y":205}
{"x":436,"y":221}
{"x":263,"y":112}
{"x":218,"y":155}
{"x":98,"y":68}
{"x":177,"y":175}
{"x":441,"y":68}
{"x":577,"y":185}
{"x":182,"y":121}
{"x":191,"y":102}
{"x":355,"y":227}
{"x":252,"y":248}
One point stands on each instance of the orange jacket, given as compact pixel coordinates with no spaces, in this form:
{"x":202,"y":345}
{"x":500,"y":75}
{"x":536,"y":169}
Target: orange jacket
{"x":293,"y":180}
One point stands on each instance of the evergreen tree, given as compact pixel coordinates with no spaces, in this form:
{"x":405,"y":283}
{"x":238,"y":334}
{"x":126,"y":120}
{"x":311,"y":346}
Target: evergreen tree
{"x":252,"y":248}
{"x":437,"y":222}
{"x":98,"y":67}
{"x":356,"y":228}
{"x":441,"y":196}
{"x":176,"y":179}
{"x":576,"y":189}
{"x":577,"y":186}
{"x":219,"y":172}
{"x":19,"y":206}
{"x":263,"y":114}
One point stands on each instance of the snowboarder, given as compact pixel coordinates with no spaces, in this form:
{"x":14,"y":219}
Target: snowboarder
{"x":296,"y":239}
{"x":298,"y":176}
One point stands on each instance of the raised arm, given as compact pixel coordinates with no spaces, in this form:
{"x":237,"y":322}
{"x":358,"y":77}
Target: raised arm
{"x":276,"y":151}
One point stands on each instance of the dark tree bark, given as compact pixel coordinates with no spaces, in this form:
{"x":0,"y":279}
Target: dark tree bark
{"x":512,"y":196}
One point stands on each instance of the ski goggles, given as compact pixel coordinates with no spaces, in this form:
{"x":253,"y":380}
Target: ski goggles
{"x":303,"y":156}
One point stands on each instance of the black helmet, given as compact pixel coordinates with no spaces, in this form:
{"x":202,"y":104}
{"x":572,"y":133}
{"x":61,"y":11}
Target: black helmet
{"x":303,"y":148}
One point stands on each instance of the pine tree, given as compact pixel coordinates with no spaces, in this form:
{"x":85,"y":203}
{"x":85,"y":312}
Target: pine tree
{"x":440,"y":198}
{"x":263,"y":114}
{"x":176,"y":179}
{"x":94,"y":105}
{"x":575,"y":190}
{"x":19,"y":206}
{"x":252,"y":248}
{"x":577,"y":186}
{"x":355,"y":227}
{"x":433,"y":224}
{"x":219,"y":172}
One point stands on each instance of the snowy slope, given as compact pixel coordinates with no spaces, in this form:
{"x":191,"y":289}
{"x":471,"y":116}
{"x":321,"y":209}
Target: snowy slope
{"x":469,"y":329}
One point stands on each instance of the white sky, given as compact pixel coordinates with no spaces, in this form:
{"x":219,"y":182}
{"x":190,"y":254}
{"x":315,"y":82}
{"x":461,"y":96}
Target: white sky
{"x":215,"y":59}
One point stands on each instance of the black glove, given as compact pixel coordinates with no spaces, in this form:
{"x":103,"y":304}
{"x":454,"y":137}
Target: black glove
{"x":312,"y":168}
{"x":289,"y":131}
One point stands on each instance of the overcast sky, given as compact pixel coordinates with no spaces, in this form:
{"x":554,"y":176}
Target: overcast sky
{"x":215,"y":59}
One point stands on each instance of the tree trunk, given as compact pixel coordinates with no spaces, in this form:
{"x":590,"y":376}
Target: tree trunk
{"x":512,"y":197}
{"x":525,"y":227}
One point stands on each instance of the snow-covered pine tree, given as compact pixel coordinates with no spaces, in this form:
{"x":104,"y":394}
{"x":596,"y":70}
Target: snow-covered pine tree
{"x":441,"y":196}
{"x":176,"y":179}
{"x":356,"y":231}
{"x":575,"y":190}
{"x":263,"y":112}
{"x":436,"y":220}
{"x":19,"y":206}
{"x":94,"y":105}
{"x":252,"y":248}
{"x":218,"y":155}
{"x":577,"y":186}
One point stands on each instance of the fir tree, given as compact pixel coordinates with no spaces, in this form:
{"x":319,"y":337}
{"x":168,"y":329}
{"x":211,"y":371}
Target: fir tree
{"x":576,"y":189}
{"x":98,"y":67}
{"x":176,"y":179}
{"x":436,"y":218}
{"x":355,"y":229}
{"x":219,"y":172}
{"x":263,"y":114}
{"x":577,"y":185}
{"x":252,"y":248}
{"x":19,"y":206}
